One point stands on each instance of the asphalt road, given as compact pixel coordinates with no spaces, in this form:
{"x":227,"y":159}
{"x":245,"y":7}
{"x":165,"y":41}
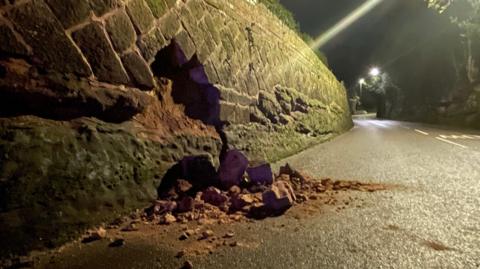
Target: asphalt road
{"x":432,"y":220}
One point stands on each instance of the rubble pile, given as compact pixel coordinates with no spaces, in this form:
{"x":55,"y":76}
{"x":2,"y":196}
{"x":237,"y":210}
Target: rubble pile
{"x":237,"y":191}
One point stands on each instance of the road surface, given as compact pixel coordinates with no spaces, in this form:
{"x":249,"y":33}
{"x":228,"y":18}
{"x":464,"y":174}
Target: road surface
{"x":431,"y":221}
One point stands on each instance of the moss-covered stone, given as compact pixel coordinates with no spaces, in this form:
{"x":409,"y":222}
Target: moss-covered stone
{"x":95,"y":46}
{"x":138,"y":70}
{"x":58,"y":178}
{"x":100,"y":7}
{"x":158,"y":7}
{"x":44,"y":33}
{"x":121,"y":31}
{"x":70,"y":12}
{"x":141,"y":15}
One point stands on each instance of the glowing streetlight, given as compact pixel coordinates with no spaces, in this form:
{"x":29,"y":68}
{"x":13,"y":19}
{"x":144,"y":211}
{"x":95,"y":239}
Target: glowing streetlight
{"x":375,"y":71}
{"x":361,"y":82}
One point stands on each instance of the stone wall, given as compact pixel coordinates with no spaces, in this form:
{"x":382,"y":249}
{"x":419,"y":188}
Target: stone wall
{"x":86,"y":113}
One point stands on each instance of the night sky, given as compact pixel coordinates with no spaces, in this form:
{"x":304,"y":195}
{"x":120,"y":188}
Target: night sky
{"x":389,"y":35}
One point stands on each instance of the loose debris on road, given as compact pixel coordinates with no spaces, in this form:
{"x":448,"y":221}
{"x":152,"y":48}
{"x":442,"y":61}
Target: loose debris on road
{"x":195,"y":197}
{"x":242,"y":192}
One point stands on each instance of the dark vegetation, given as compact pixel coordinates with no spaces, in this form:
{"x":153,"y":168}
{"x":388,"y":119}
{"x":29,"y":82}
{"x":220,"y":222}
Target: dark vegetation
{"x":289,"y":20}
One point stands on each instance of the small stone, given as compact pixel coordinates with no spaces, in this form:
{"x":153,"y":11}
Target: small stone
{"x":187,"y":265}
{"x":180,"y":254}
{"x":186,"y":204}
{"x":214,"y":196}
{"x":183,"y":186}
{"x":242,"y":200}
{"x":184,"y":236}
{"x":233,"y":244}
{"x":234,"y":190}
{"x":190,"y":232}
{"x":229,"y":235}
{"x":168,"y":219}
{"x":95,"y":235}
{"x":117,"y":243}
{"x":132,"y":227}
{"x":207,"y":233}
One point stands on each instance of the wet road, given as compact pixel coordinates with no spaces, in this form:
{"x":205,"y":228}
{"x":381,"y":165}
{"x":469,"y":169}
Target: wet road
{"x":440,"y":167}
{"x":432,"y":221}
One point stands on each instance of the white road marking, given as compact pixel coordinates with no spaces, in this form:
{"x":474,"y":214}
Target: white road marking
{"x":380,"y":124}
{"x":457,"y":137}
{"x":422,"y":132}
{"x":450,"y":142}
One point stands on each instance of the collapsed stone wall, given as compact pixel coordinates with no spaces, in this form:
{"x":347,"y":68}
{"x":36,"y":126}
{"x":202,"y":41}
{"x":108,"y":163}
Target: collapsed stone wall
{"x":87,"y":114}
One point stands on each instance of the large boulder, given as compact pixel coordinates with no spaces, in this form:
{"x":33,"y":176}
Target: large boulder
{"x":232,"y":168}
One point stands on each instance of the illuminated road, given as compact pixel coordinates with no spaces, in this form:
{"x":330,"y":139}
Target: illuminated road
{"x":440,"y":169}
{"x":431,"y":221}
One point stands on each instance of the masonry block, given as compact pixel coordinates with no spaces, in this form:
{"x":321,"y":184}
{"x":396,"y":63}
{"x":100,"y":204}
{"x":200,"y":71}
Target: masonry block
{"x":9,"y":43}
{"x":138,"y":70}
{"x":70,"y":12}
{"x":151,"y":43}
{"x":121,"y":31}
{"x":141,"y":15}
{"x":158,"y":7}
{"x":185,"y":42}
{"x":44,"y":33}
{"x":100,"y":7}
{"x":95,"y":45}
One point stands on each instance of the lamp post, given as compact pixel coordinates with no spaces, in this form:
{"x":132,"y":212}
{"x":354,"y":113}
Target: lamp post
{"x":361,"y":82}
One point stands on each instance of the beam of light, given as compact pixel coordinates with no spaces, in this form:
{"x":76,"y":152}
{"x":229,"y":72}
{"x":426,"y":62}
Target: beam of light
{"x":344,"y":23}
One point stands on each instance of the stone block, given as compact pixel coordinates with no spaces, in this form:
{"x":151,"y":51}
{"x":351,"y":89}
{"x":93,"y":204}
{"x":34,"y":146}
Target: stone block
{"x":260,"y":175}
{"x":151,"y":43}
{"x":71,"y":12}
{"x":100,"y":7}
{"x":232,"y":168}
{"x":95,"y":45}
{"x":185,"y":43}
{"x":44,"y":33}
{"x":138,"y":70}
{"x":141,"y":15}
{"x":171,"y":3}
{"x":9,"y":42}
{"x":121,"y":31}
{"x":234,"y":113}
{"x":169,"y":25}
{"x":158,"y":7}
{"x":232,"y":96}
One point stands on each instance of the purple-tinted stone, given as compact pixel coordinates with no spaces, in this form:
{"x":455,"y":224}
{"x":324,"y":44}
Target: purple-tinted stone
{"x":279,"y":198}
{"x":232,"y":168}
{"x":260,"y":175}
{"x":214,"y":196}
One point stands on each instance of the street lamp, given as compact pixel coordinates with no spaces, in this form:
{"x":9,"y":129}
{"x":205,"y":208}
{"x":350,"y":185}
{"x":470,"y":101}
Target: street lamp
{"x":361,"y":82}
{"x":375,"y":71}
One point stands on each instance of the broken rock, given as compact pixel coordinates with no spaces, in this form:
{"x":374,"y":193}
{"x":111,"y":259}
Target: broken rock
{"x":186,"y":204}
{"x":232,"y":169}
{"x":242,"y":200}
{"x":214,"y":196}
{"x":260,"y":175}
{"x":168,"y":219}
{"x":279,"y":198}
